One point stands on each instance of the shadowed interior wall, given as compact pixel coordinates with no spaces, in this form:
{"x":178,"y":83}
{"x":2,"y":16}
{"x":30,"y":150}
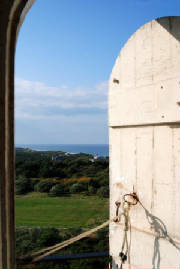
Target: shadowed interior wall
{"x":144,"y":121}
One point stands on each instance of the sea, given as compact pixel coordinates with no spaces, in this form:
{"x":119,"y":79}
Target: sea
{"x":100,"y":149}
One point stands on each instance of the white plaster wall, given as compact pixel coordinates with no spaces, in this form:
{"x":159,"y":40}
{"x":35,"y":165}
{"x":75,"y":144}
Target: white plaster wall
{"x":144,"y":120}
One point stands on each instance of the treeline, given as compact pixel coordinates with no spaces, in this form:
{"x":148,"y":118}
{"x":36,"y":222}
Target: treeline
{"x":74,"y":173}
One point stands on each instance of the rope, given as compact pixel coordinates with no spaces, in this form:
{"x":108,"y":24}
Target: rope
{"x":66,"y":243}
{"x":128,"y":201}
{"x":156,"y":235}
{"x":150,"y":233}
{"x":85,"y":234}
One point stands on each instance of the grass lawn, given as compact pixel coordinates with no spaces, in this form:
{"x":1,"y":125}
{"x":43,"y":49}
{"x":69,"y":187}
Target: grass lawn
{"x":37,"y":209}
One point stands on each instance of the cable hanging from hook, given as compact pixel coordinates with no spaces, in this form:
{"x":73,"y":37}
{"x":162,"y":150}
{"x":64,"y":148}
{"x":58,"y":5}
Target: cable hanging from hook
{"x":128,"y":200}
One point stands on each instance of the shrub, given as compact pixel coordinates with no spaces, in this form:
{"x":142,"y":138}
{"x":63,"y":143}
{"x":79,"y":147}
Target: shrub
{"x":31,"y":239}
{"x":23,"y":186}
{"x":35,"y":182}
{"x":77,"y":187}
{"x":94,"y":183}
{"x":48,"y":237}
{"x":44,"y":186}
{"x":92,"y":190}
{"x":103,"y":192}
{"x":57,"y":190}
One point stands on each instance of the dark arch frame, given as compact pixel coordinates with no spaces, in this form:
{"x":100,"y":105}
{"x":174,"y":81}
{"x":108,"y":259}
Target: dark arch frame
{"x":12,"y":14}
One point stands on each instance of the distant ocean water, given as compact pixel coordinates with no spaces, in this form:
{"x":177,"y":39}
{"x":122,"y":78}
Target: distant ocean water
{"x":100,"y":149}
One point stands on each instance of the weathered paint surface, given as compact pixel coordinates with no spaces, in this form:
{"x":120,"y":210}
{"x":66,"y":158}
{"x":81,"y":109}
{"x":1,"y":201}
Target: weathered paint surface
{"x":144,"y":120}
{"x":148,"y":73}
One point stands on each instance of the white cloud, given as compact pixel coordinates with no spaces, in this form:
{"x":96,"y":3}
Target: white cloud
{"x":36,"y":100}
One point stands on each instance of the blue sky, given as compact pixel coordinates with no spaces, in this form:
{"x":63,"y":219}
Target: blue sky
{"x":65,"y":53}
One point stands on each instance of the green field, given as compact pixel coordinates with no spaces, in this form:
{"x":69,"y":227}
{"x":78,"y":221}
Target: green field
{"x":75,"y":211}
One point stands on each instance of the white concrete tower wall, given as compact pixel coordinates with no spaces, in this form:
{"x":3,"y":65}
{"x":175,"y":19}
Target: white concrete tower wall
{"x":144,"y":121}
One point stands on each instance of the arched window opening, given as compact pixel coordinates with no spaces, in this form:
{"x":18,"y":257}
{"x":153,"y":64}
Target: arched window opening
{"x":62,"y":164}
